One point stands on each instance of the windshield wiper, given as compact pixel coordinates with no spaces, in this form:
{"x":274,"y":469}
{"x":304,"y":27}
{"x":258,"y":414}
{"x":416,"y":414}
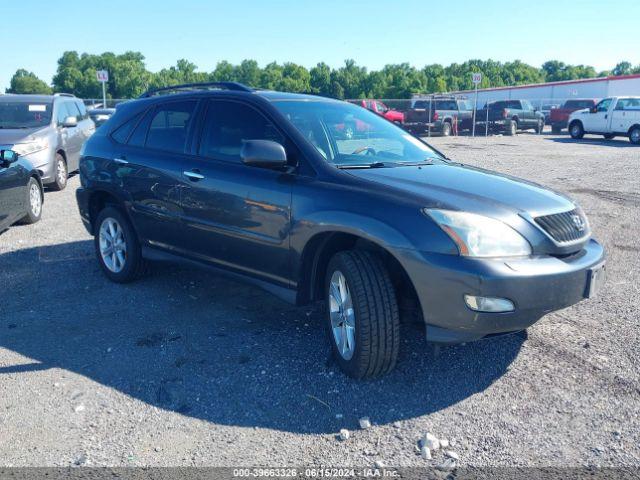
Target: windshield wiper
{"x":416,"y":164}
{"x":364,"y":165}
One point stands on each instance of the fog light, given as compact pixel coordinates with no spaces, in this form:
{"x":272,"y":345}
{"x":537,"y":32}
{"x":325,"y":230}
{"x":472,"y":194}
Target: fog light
{"x":489,"y":304}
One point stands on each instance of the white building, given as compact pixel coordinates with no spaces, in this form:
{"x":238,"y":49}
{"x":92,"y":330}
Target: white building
{"x":557,"y":92}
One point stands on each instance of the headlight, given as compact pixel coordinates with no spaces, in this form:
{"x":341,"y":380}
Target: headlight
{"x":480,"y":236}
{"x":31,"y":147}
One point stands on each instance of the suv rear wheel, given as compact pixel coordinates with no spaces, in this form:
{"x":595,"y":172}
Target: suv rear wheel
{"x":446,"y":129}
{"x":60,"y":181}
{"x":117,"y":247}
{"x":512,"y":128}
{"x":363,"y":321}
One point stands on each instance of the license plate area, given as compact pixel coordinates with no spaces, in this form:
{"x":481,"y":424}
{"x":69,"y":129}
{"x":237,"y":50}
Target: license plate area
{"x":595,"y":279}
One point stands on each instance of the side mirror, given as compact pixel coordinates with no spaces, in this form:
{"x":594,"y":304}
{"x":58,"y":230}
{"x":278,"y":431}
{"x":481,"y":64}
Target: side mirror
{"x":8,"y":157}
{"x":263,"y":153}
{"x":70,"y":122}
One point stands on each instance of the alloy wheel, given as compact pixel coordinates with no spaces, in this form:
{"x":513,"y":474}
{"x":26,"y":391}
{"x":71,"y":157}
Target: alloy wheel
{"x":113,"y":247}
{"x":343,"y":318}
{"x":61,"y":172}
{"x":35,"y":199}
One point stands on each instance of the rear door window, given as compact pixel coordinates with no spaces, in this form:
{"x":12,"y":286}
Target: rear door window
{"x":227,"y":124}
{"x":170,"y":125}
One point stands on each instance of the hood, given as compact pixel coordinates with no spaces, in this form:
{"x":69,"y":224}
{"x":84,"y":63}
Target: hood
{"x":468,"y":188}
{"x":581,"y":111}
{"x":12,"y":136}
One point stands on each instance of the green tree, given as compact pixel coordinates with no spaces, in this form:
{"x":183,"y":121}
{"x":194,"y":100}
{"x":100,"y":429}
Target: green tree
{"x":622,"y":68}
{"x":27,"y":82}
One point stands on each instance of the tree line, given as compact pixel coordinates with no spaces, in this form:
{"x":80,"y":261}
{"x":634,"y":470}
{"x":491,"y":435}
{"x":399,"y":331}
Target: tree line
{"x":129,"y":77}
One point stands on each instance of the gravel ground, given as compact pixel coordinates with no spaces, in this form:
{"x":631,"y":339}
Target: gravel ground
{"x":185,"y":368}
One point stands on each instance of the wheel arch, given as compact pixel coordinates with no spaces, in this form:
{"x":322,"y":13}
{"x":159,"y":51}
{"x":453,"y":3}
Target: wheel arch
{"x":635,"y":125}
{"x":98,"y":200}
{"x":322,"y":246}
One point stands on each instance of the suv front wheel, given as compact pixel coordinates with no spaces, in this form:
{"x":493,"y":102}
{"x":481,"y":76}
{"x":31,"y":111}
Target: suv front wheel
{"x":117,"y":247}
{"x":362,"y":314}
{"x":60,"y":180}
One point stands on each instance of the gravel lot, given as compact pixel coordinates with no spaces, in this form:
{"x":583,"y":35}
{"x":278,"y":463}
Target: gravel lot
{"x":186,"y":368}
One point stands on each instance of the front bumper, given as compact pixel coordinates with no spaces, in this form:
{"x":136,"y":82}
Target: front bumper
{"x":44,"y":162}
{"x":82,"y":197}
{"x":536,"y":286}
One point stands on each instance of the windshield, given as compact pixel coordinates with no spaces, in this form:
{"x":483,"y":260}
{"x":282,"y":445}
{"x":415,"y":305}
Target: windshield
{"x":346,"y":135}
{"x":24,"y":114}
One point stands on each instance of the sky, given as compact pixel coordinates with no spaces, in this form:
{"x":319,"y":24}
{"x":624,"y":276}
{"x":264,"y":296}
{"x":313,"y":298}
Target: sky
{"x":374,"y":33}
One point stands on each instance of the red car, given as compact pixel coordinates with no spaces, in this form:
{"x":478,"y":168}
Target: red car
{"x":559,"y":116}
{"x":381,"y":109}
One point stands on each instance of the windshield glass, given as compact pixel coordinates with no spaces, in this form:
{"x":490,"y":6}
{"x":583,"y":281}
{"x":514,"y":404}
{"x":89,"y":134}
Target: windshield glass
{"x":24,"y":114}
{"x":346,"y":135}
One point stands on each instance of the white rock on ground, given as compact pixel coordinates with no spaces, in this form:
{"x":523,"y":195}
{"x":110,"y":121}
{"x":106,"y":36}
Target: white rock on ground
{"x":452,"y":454}
{"x":380,"y":464}
{"x":448,"y":464}
{"x":365,"y":423}
{"x":426,"y":453}
{"x":344,"y":434}
{"x":444,"y":443}
{"x":431,"y":441}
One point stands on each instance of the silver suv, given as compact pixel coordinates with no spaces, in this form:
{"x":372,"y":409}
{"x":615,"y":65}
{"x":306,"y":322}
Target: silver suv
{"x":46,"y":130}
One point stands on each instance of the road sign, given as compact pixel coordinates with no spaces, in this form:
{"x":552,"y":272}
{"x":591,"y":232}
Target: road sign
{"x":476,"y":78}
{"x":102,"y":76}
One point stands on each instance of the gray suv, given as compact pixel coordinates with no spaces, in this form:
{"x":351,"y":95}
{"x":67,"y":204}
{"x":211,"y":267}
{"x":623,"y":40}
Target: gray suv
{"x":46,"y":130}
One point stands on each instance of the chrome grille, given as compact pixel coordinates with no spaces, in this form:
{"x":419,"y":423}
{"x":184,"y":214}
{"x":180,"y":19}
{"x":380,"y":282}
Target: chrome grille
{"x":565,"y":227}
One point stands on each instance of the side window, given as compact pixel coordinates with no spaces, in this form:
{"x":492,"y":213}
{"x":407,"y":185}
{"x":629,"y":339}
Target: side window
{"x":227,"y":124}
{"x":526,"y":105}
{"x":139,"y":135}
{"x":83,"y":110}
{"x":62,"y":112}
{"x":603,"y":106}
{"x":169,"y":126}
{"x":121,"y":133}
{"x":381,"y":107}
{"x":74,"y":110}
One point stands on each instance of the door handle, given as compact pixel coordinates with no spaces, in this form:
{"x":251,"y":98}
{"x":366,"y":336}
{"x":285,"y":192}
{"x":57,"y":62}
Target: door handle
{"x":121,"y":160}
{"x":194,"y":175}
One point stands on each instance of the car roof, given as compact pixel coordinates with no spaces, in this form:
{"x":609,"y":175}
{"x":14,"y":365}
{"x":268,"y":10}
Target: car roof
{"x":27,"y":98}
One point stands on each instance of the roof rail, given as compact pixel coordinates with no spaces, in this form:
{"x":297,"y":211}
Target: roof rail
{"x":64,"y":95}
{"x":198,"y":86}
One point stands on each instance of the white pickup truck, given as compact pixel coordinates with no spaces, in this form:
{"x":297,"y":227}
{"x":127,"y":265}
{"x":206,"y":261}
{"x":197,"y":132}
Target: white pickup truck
{"x":611,"y":117}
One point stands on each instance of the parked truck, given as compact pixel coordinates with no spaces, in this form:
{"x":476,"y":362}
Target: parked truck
{"x":381,"y":109}
{"x":448,"y":113}
{"x":509,"y":116}
{"x":611,"y":117}
{"x":559,"y":116}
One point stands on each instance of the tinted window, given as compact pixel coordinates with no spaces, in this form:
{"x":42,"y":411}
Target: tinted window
{"x":227,"y":124}
{"x":21,"y":114}
{"x":139,"y":135}
{"x":578,"y":104}
{"x":421,"y":104}
{"x":121,"y":133}
{"x":446,"y":105}
{"x":169,"y":126}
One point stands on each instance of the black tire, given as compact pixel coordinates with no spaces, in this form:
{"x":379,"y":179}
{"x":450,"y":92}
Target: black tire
{"x":377,"y":319}
{"x":512,"y":128}
{"x":540,"y":127}
{"x":134,"y":264}
{"x":634,"y":135}
{"x":555,"y":129}
{"x":608,"y":136}
{"x":446,"y":129}
{"x":576,"y":130}
{"x":61,"y":174}
{"x":34,"y":211}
